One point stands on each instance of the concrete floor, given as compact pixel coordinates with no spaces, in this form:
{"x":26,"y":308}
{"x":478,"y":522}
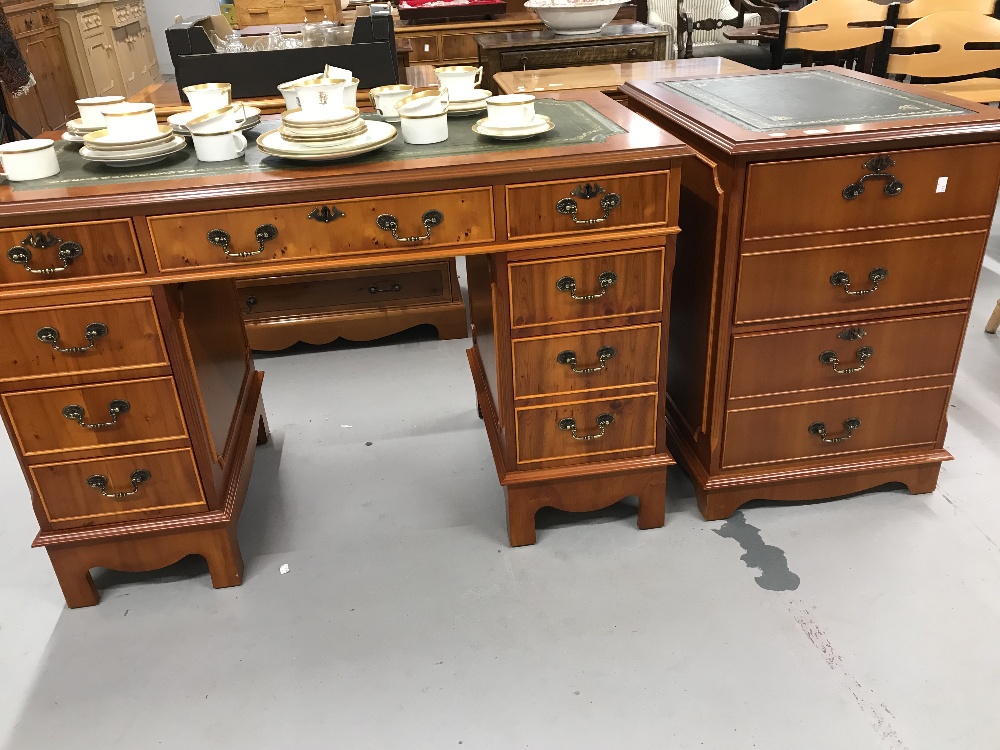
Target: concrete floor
{"x":406,"y":622}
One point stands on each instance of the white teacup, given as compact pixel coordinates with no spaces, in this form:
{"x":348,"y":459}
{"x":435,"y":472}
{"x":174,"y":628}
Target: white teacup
{"x":384,"y":98}
{"x":287,"y":90}
{"x":351,"y":93}
{"x":459,"y":78}
{"x":510,"y":110}
{"x":219,"y":146}
{"x":130,"y":122}
{"x":29,"y":160}
{"x":206,"y":97}
{"x":90,"y":109}
{"x":422,"y":129}
{"x":321,"y":95}
{"x":429,"y":102}
{"x":216,"y":121}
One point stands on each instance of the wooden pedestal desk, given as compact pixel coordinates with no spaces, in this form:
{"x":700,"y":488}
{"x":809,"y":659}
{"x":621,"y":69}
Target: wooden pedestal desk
{"x":134,"y":405}
{"x":833,"y":228}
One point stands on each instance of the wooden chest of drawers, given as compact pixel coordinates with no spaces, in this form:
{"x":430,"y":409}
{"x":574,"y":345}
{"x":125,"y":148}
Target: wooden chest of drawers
{"x":823,"y":284}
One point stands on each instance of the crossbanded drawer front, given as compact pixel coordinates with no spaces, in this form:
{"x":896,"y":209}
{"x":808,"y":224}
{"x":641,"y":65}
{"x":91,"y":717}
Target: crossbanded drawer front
{"x":574,"y":432}
{"x":851,"y":278}
{"x":935,"y":184}
{"x":589,"y":287}
{"x":571,"y":206}
{"x":310,"y":231}
{"x":430,"y":282}
{"x":610,"y":358}
{"x":845,"y":355}
{"x":109,"y":338}
{"x":82,"y":493}
{"x":536,"y":59}
{"x":61,"y":252}
{"x":830,"y":428}
{"x":86,"y":417}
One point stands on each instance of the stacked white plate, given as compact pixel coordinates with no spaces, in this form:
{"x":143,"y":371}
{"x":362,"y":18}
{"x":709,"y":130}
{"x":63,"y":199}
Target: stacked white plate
{"x":468,"y":102}
{"x":102,"y":147}
{"x":325,"y":135}
{"x":538,"y":125}
{"x":76,"y":130}
{"x":250,"y":115}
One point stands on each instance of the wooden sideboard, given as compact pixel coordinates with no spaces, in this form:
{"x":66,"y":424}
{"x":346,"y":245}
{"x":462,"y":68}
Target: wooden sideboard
{"x":829,"y":253}
{"x":52,"y":100}
{"x":131,"y":397}
{"x":110,"y":46}
{"x":455,"y":43}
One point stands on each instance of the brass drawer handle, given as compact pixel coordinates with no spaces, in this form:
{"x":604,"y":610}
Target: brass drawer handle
{"x":603,"y":355}
{"x":390,"y":223}
{"x":94,"y":331}
{"x":568,"y":284}
{"x":263,"y":233}
{"x":603,"y":420}
{"x":829,"y":357}
{"x":876,"y":167}
{"x":67,"y":253}
{"x":569,"y":207}
{"x":819,"y":428}
{"x":100,"y":482}
{"x":115,"y":408}
{"x":325,"y":214}
{"x":374,"y":289}
{"x":842,"y":278}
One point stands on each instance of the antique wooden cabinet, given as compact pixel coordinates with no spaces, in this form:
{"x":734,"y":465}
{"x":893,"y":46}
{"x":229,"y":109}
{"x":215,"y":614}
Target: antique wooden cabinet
{"x":833,"y":227}
{"x":128,"y":389}
{"x":455,"y":43}
{"x":52,"y":101}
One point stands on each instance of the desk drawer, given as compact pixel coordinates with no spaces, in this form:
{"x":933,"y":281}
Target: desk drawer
{"x":621,"y":357}
{"x":798,"y":283}
{"x":347,"y":290}
{"x":172,"y":488}
{"x":818,"y":184}
{"x":799,"y":360}
{"x":151,"y":412}
{"x":563,"y":57}
{"x":785,"y":433}
{"x":622,"y":283}
{"x":24,"y":23}
{"x":547,"y":208}
{"x":544,"y":433}
{"x":102,"y":248}
{"x":181,"y":240}
{"x":122,"y":336}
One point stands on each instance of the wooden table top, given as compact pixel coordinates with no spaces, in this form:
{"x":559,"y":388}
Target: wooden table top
{"x":607,"y":78}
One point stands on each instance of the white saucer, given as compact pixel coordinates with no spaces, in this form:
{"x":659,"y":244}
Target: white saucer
{"x":467,"y":108}
{"x":134,"y":160}
{"x":72,"y":137}
{"x":319,"y":119}
{"x":103,"y":139}
{"x":465,"y":97}
{"x":539,"y":125}
{"x":378,"y":135}
{"x":181,"y":119}
{"x":175,"y":143}
{"x":77,"y":126}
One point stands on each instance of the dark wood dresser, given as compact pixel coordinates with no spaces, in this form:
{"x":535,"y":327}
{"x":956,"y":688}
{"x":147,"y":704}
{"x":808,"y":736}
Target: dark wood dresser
{"x":833,"y":228}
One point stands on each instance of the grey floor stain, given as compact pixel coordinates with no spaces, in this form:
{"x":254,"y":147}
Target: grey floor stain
{"x":770,"y":560}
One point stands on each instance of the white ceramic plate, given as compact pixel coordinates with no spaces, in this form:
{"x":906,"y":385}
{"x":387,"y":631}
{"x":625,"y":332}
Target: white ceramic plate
{"x":470,"y":108}
{"x":314,"y":120}
{"x":72,"y":137}
{"x":132,"y":161}
{"x":180,"y":119}
{"x":541,"y":125}
{"x":473,"y":95}
{"x":378,"y":135}
{"x":77,"y":126}
{"x":176,"y":143}
{"x":103,"y":139}
{"x":248,"y":124}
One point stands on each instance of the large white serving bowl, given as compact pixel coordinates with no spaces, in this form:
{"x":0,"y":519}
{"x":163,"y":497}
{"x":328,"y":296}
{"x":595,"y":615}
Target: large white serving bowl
{"x":584,"y":17}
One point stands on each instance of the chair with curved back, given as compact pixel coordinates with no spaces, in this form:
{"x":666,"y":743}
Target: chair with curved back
{"x":700,"y":24}
{"x":917,"y":9}
{"x":950,"y":45}
{"x":848,"y":31}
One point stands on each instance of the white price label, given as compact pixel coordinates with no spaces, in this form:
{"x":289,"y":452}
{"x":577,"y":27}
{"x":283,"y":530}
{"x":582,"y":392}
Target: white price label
{"x":942,"y":185}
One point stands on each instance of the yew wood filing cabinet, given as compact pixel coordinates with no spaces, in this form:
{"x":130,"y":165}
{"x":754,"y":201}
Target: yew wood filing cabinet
{"x":833,"y":227}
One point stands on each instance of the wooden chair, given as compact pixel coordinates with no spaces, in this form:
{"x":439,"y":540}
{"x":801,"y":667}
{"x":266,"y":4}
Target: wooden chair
{"x":917,"y":9}
{"x":994,"y":322}
{"x":937,"y":47}
{"x":848,"y":31}
{"x":699,"y":32}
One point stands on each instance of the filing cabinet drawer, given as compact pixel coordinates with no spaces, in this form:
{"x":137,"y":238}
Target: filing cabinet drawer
{"x":611,"y":358}
{"x":813,"y":358}
{"x":113,"y":337}
{"x":591,"y":287}
{"x":71,"y":497}
{"x":112,"y":415}
{"x":537,"y":59}
{"x":68,"y":251}
{"x":798,"y":283}
{"x":430,"y":282}
{"x":970,"y":173}
{"x":784,"y":433}
{"x":569,"y":433}
{"x":546,"y":208}
{"x":466,"y":218}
